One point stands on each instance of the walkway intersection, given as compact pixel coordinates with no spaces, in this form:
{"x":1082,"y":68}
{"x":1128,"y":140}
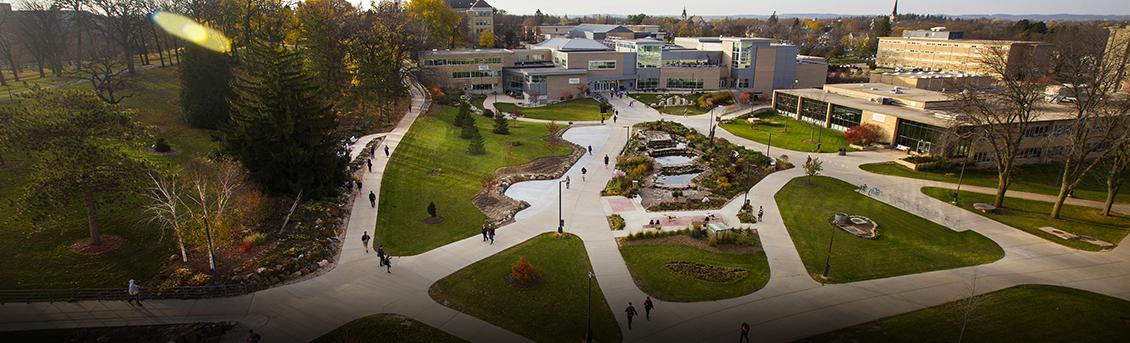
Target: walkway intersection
{"x":791,"y":306}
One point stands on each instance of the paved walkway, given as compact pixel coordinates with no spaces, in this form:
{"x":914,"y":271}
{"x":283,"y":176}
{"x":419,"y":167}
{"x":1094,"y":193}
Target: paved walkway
{"x":791,"y":306}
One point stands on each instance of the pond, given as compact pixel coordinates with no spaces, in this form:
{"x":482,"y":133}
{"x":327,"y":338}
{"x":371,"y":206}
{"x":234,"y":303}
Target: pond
{"x":676,"y":180}
{"x":673,"y":160}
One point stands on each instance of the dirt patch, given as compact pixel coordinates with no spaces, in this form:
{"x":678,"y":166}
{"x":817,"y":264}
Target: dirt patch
{"x":707,"y":273}
{"x":11,"y":164}
{"x":695,"y":243}
{"x":499,"y":208}
{"x":433,"y":220}
{"x":109,"y":243}
{"x":171,"y":152}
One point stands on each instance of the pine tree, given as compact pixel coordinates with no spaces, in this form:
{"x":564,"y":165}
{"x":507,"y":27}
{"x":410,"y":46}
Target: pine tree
{"x":205,"y":79}
{"x":501,"y":125}
{"x":281,"y":129}
{"x":476,"y":146}
{"x":469,"y":128}
{"x":462,"y":115}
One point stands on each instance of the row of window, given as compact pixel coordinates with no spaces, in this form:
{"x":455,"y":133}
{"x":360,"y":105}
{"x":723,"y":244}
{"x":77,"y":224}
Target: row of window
{"x":742,"y":55}
{"x":462,"y":61}
{"x":602,"y":64}
{"x":473,"y":74}
{"x":647,"y":83}
{"x":786,"y":103}
{"x":681,"y":83}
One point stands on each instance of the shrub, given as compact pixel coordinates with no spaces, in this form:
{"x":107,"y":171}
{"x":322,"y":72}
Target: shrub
{"x":488,"y":113}
{"x":863,"y":134}
{"x":162,"y":145}
{"x":522,"y":274}
{"x":200,"y":280}
{"x":616,"y":222}
{"x":476,"y":146}
{"x":432,"y":209}
{"x":813,"y":166}
{"x":501,"y":125}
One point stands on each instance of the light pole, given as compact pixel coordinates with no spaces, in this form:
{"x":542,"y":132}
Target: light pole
{"x":560,"y":219}
{"x":769,"y":144}
{"x":828,"y":260}
{"x":588,"y":335}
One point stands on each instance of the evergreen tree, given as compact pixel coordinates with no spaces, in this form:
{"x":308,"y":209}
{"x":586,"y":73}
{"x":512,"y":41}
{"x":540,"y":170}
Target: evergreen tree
{"x":282,"y":130}
{"x":475,"y":147}
{"x":462,"y":115}
{"x":773,"y":18}
{"x":205,"y":80}
{"x":469,"y":128}
{"x":501,"y":125}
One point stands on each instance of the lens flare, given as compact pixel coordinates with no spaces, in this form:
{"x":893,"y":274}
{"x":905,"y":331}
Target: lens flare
{"x":191,"y":31}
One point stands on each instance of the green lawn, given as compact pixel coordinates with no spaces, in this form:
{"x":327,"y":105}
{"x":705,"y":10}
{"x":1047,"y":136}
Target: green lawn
{"x":648,"y":99}
{"x":386,"y":328}
{"x":553,"y":311}
{"x":1042,"y":179}
{"x":789,"y":134}
{"x":580,"y":109}
{"x":647,"y":263}
{"x":1029,"y":313}
{"x":432,"y":165}
{"x":907,"y":244}
{"x":1030,"y":215}
{"x":477,"y":100}
{"x":43,"y":259}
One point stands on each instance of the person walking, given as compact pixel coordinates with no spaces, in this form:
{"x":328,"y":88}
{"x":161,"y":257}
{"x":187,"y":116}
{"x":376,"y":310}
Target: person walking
{"x":365,"y":241}
{"x":583,"y":172}
{"x":632,"y":313}
{"x":567,"y":181}
{"x":590,"y":150}
{"x":134,"y":292}
{"x":388,"y":264}
{"x":745,"y":333}
{"x":760,"y":213}
{"x":490,"y":232}
{"x":647,"y":306}
{"x":372,"y":199}
{"x":386,"y":150}
{"x":602,"y":119}
{"x":484,"y":232}
{"x":605,"y":161}
{"x":614,"y":119}
{"x":358,"y":181}
{"x":381,"y":255}
{"x":369,"y":161}
{"x":373,"y":151}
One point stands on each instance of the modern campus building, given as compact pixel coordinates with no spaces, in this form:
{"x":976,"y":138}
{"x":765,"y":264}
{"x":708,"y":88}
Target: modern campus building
{"x":594,"y":31}
{"x":915,"y":119}
{"x":932,"y":80}
{"x":609,"y":58}
{"x":478,"y":14}
{"x":940,"y":50}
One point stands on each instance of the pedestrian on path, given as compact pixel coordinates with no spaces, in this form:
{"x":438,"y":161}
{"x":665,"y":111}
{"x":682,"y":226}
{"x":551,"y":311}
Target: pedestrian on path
{"x":134,"y":292}
{"x":373,"y":151}
{"x":590,"y":150}
{"x":358,"y":181}
{"x":365,"y":241}
{"x":614,"y":119}
{"x":647,"y":306}
{"x":484,"y":232}
{"x":602,"y":119}
{"x":386,"y":150}
{"x":381,"y":255}
{"x":583,"y":172}
{"x":388,"y":264}
{"x":760,"y":212}
{"x":745,"y":333}
{"x":372,"y":199}
{"x":605,"y":161}
{"x":630,"y":103}
{"x":490,"y":232}
{"x":369,"y":161}
{"x":567,"y":181}
{"x":632,"y":313}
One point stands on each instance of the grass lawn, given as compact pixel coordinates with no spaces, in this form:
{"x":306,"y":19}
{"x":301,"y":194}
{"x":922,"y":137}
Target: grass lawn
{"x":386,"y":328}
{"x":477,"y":100}
{"x":432,"y":165}
{"x":789,"y":134}
{"x":907,"y":244}
{"x":1042,"y":179}
{"x":648,"y":99}
{"x":1029,"y":313}
{"x":43,"y":259}
{"x":647,"y":263}
{"x":553,"y":311}
{"x":1030,"y":215}
{"x":580,"y":109}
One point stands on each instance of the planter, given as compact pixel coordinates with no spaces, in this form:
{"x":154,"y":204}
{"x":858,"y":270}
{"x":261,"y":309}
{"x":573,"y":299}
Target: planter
{"x":917,"y":166}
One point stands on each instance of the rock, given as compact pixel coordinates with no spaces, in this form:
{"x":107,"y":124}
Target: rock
{"x":260,"y":270}
{"x":323,"y":263}
{"x":173,"y":257}
{"x":296,"y":274}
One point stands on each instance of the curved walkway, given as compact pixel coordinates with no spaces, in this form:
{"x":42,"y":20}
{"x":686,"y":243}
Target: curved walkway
{"x":791,"y":306}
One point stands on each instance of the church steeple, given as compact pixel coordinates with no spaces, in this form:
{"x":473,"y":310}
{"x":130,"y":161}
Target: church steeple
{"x":684,"y":13}
{"x":895,"y":12}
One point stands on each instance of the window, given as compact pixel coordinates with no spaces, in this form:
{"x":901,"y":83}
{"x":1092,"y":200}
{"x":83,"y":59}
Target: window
{"x":648,"y":56}
{"x":474,"y":74}
{"x":742,"y":55}
{"x":844,"y":118}
{"x":1029,"y":153}
{"x":721,"y":83}
{"x":462,"y":61}
{"x":482,"y":86}
{"x":1036,"y":131}
{"x":535,"y":79}
{"x":813,"y":111}
{"x":688,"y":63}
{"x":743,"y":83}
{"x":681,"y":83}
{"x":1063,"y":130}
{"x":786,"y":103}
{"x":647,"y":83}
{"x":602,"y":65}
{"x":982,"y":157}
{"x":915,"y":135}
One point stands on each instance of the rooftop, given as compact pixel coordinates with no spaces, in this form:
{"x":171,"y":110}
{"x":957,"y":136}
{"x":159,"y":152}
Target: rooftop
{"x":551,"y":71}
{"x":967,"y":41}
{"x":882,"y":90}
{"x":931,"y":75}
{"x":436,"y":52}
{"x":573,"y":44}
{"x":909,"y":113}
{"x":468,"y":4}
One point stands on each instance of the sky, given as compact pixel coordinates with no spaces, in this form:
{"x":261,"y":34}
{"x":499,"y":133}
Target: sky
{"x":735,"y":7}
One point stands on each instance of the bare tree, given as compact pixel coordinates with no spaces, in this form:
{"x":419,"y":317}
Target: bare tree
{"x":164,"y":208}
{"x":966,"y":308}
{"x":79,"y":18}
{"x":1117,"y":168}
{"x":1091,"y":74}
{"x":41,"y":32}
{"x":107,"y":75}
{"x":122,"y":25}
{"x":214,"y":190}
{"x":1002,"y":115}
{"x":6,"y":52}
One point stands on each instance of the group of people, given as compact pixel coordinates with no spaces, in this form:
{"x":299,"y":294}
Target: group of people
{"x":648,"y":305}
{"x":383,"y":259}
{"x":488,"y":232}
{"x":369,"y":163}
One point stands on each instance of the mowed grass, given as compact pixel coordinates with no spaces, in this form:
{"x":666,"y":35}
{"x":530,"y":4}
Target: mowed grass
{"x":1030,"y":215}
{"x":648,"y":99}
{"x":432,"y":165}
{"x":386,"y":328}
{"x":1029,"y":313}
{"x":907,"y":244}
{"x":39,"y":256}
{"x":647,"y":264}
{"x":580,"y":109}
{"x":788,"y":134}
{"x":1039,"y":178}
{"x":553,"y":311}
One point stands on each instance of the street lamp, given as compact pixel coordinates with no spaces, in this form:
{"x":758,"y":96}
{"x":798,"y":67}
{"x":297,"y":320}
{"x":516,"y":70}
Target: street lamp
{"x":588,"y":336}
{"x":560,"y":220}
{"x":769,"y":144}
{"x":828,"y":260}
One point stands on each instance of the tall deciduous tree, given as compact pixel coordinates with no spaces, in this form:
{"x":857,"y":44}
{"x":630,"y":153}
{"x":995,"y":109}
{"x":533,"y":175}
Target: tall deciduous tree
{"x":281,"y":129}
{"x":122,"y":24}
{"x":205,"y":79}
{"x":41,"y":32}
{"x":82,"y":146}
{"x":323,"y":29}
{"x":440,"y":22}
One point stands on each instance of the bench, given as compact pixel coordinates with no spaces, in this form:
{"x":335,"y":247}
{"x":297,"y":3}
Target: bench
{"x":984,"y":208}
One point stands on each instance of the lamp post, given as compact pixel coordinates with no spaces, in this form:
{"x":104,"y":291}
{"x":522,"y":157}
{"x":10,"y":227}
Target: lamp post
{"x":560,"y":219}
{"x":828,"y":260}
{"x":588,"y":335}
{"x":769,"y":144}
{"x":961,"y":175}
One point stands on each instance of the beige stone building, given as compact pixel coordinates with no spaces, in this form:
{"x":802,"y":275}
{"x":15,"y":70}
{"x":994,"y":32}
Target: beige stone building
{"x":933,"y":80}
{"x":939,"y":50}
{"x":478,"y":14}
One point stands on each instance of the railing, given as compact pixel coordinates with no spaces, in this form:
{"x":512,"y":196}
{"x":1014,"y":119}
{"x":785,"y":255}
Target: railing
{"x":78,"y":294}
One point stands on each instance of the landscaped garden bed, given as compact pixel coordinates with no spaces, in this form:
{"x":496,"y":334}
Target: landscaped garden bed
{"x":909,"y":244}
{"x":672,"y":167}
{"x":693,"y":265}
{"x":684,"y":104}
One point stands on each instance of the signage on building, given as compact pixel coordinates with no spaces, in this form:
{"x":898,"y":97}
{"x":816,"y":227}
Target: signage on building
{"x":483,"y":67}
{"x":882,"y":118}
{"x":575,"y":81}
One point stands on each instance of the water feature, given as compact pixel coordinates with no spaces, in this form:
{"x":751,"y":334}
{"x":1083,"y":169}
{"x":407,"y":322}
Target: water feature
{"x":676,"y":180}
{"x":673,"y":160}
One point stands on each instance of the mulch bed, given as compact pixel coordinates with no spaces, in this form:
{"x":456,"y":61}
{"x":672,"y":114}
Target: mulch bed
{"x":109,"y":243}
{"x":11,"y":164}
{"x":433,"y":220}
{"x":695,"y":243}
{"x":707,"y":273}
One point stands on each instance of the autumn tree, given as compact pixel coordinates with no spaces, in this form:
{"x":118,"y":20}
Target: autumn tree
{"x":523,"y":274}
{"x":439,"y":21}
{"x":486,"y":39}
{"x":863,"y":134}
{"x":85,"y":149}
